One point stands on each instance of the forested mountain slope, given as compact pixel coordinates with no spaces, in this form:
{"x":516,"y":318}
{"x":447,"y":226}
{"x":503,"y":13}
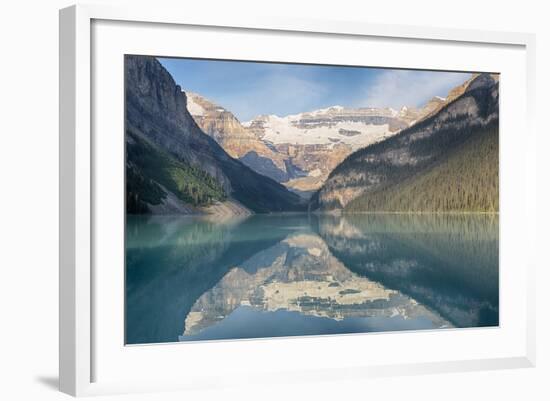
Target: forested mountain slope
{"x":465,"y":180}
{"x":447,"y":162}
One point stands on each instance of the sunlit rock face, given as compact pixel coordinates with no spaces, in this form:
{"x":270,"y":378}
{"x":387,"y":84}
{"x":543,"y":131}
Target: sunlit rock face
{"x":300,"y":275}
{"x":238,"y":142}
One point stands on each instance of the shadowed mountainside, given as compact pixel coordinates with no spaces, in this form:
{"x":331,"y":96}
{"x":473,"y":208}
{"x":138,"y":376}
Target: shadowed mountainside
{"x":195,"y":170}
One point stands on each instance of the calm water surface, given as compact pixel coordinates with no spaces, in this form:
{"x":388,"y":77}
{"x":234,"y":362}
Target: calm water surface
{"x":193,"y":279}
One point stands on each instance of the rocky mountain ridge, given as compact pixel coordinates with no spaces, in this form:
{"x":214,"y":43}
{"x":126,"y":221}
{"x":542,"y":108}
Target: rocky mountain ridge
{"x":377,"y":170}
{"x":237,"y":141}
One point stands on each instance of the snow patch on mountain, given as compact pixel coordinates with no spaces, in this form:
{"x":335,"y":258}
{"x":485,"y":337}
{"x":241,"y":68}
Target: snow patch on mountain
{"x":331,"y":126}
{"x":281,"y":130}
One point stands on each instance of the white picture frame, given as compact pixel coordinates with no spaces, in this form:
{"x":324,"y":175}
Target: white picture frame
{"x":81,"y":343}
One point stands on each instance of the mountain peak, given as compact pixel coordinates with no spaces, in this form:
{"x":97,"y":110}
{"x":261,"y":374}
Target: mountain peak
{"x":193,"y":106}
{"x":481,"y":80}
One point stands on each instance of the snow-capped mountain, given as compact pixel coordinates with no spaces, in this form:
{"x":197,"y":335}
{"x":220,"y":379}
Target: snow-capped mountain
{"x":330,"y":126}
{"x":300,"y":150}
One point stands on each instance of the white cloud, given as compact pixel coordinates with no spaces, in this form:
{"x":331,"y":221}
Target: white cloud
{"x":397,"y":88}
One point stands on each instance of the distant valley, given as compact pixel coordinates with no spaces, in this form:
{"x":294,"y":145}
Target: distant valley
{"x":301,"y":150}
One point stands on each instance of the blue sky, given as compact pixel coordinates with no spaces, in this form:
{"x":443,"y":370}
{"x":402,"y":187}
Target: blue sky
{"x":248,"y":89}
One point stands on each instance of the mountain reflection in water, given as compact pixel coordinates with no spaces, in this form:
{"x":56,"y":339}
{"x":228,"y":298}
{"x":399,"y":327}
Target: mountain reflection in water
{"x":283,"y":275}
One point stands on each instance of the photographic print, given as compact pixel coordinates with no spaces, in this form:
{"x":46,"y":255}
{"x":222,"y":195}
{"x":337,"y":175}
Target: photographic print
{"x":269,"y":199}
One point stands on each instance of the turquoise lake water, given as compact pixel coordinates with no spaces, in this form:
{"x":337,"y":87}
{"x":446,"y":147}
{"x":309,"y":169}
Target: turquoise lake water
{"x":190,"y":279}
